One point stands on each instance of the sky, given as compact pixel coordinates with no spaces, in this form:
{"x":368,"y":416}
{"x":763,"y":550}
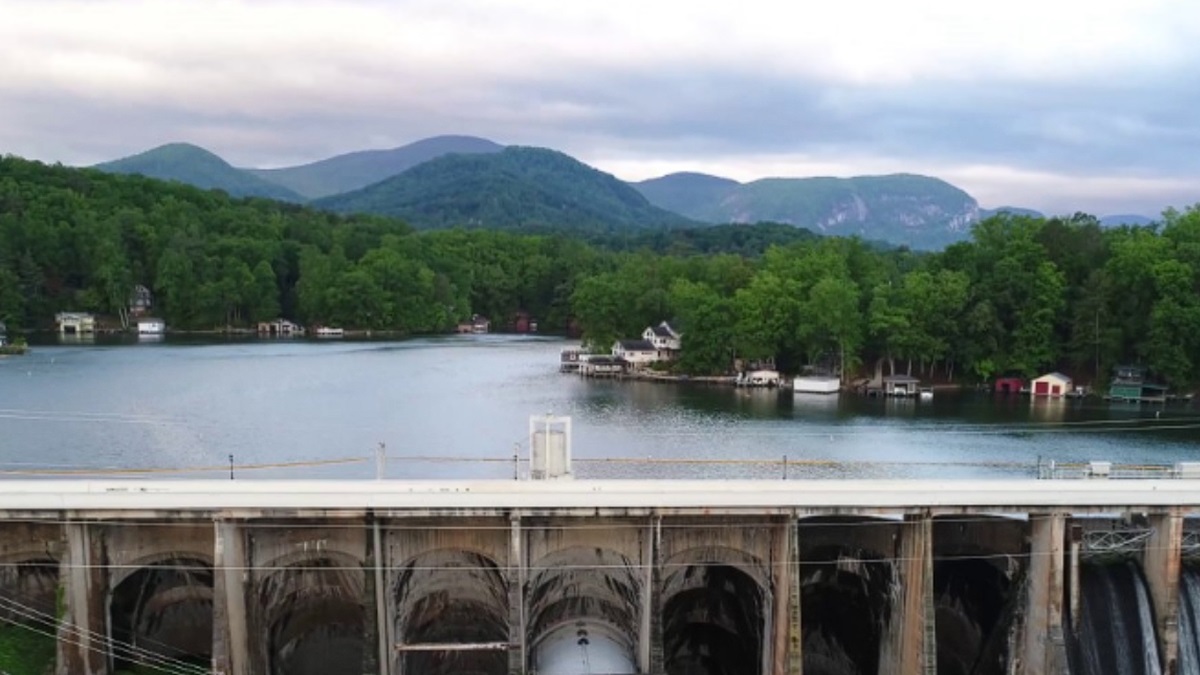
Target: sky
{"x":1057,"y":105}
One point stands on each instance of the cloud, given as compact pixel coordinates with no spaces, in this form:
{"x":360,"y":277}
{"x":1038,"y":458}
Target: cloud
{"x":1060,"y":93}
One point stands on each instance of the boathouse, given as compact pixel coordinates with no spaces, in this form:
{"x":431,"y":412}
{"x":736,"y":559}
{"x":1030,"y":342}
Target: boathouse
{"x":75,"y":323}
{"x":280,"y":327}
{"x":1009,"y":385}
{"x":900,"y":385}
{"x":603,"y":366}
{"x":1129,"y":384}
{"x":1053,"y":385}
{"x":150,"y":326}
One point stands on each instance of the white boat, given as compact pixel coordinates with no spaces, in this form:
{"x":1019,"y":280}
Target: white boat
{"x":328,"y":332}
{"x":926,"y":393}
{"x":810,"y":384}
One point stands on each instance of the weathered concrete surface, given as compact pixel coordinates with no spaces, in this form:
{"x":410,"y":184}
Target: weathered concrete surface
{"x":908,"y":645}
{"x":463,"y":563}
{"x":1042,"y":645}
{"x":1161,"y":560}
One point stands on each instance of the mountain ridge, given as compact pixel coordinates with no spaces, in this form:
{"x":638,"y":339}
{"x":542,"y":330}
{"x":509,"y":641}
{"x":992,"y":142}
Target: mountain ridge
{"x":193,"y":165}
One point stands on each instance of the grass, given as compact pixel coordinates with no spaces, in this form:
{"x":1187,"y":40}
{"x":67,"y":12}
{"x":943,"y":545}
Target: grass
{"x":24,"y":652}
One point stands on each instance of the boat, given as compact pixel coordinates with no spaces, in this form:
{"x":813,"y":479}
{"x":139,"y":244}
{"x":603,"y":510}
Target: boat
{"x":330,"y":332}
{"x":925,"y":393}
{"x":812,"y":384}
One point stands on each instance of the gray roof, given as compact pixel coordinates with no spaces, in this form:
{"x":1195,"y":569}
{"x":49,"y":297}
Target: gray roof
{"x":637,"y":345}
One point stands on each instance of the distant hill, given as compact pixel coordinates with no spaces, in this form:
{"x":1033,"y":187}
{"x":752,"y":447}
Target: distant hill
{"x":1125,"y":219}
{"x":516,"y":188}
{"x":193,"y":165}
{"x":917,"y":211}
{"x":1011,"y":210}
{"x":686,"y":192}
{"x":355,"y":170}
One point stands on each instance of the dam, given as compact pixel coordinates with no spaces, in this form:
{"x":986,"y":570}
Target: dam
{"x":244,"y":577}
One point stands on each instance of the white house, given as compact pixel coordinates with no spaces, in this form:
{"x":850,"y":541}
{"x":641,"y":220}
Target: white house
{"x":148,"y":326}
{"x":666,"y":340}
{"x":1051,"y":384}
{"x":635,"y":352}
{"x":75,"y":322}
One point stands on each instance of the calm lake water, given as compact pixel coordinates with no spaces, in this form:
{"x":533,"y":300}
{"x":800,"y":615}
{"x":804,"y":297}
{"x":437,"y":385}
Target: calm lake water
{"x":465,"y":402}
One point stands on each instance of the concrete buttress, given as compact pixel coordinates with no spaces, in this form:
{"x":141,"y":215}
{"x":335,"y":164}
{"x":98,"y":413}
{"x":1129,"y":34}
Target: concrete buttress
{"x":1161,"y":561}
{"x":1042,"y":647}
{"x":82,"y":648}
{"x":909,"y":646}
{"x":231,"y":652}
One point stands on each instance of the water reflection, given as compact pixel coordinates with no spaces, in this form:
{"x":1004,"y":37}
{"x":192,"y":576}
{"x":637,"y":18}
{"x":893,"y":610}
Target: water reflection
{"x":193,"y":403}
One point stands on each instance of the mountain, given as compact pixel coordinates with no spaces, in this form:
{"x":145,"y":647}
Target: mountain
{"x":1011,"y":210}
{"x":1125,"y":219}
{"x":355,"y":170}
{"x":918,"y":211}
{"x":686,"y":191}
{"x":518,"y":187}
{"x":193,"y":165}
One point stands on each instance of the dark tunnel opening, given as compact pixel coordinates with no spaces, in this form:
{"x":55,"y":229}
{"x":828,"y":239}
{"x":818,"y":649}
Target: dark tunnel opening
{"x":162,"y":615}
{"x":844,"y":606}
{"x":453,"y":598}
{"x":713,"y":625}
{"x":317,"y":620}
{"x":974,"y":611}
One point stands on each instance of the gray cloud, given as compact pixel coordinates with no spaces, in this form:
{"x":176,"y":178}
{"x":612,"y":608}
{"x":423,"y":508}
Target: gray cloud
{"x":1028,"y":103}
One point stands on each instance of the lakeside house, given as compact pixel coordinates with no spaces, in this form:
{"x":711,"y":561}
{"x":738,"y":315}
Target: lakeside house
{"x":280,"y":328}
{"x":666,"y":340}
{"x":140,"y":301}
{"x":151,"y":326}
{"x":635,"y":352}
{"x":75,"y":323}
{"x":1129,"y":384}
{"x":1053,"y":385}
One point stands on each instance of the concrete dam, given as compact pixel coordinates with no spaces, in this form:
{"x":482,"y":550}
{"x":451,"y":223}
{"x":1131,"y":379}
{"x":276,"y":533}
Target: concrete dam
{"x":605,"y":577}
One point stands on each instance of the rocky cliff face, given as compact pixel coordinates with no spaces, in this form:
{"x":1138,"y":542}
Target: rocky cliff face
{"x":917,"y":211}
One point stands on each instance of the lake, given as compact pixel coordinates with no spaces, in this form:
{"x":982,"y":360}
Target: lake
{"x":459,"y":407}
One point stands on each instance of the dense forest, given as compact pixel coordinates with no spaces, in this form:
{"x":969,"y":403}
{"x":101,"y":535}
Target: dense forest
{"x":1024,"y":295}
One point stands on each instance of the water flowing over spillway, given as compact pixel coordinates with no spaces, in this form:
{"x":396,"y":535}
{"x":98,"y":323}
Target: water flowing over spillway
{"x":1115,"y":628}
{"x":1189,"y":621}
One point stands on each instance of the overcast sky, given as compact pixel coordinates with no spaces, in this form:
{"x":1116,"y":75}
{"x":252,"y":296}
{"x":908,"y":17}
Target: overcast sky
{"x":1059,"y":105}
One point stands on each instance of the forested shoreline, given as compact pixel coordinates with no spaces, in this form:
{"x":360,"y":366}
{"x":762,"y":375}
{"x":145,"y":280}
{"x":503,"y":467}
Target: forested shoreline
{"x":1023,"y":296}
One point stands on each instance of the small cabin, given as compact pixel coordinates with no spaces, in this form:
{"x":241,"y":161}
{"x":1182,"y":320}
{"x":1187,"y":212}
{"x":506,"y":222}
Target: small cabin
{"x":478,"y":325}
{"x":1009,"y":385}
{"x":75,"y":323}
{"x":901,"y":385}
{"x":1053,"y":385}
{"x":149,"y":326}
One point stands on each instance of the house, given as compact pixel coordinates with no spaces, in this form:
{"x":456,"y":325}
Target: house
{"x":1053,"y":385}
{"x":1009,"y":385}
{"x":666,"y":340}
{"x":901,"y":385}
{"x":478,"y":325}
{"x":149,"y":326}
{"x":758,"y":378}
{"x":603,"y":366}
{"x":140,"y":301}
{"x":279,"y":328}
{"x":635,"y":352}
{"x":75,"y":323}
{"x":1129,"y":384}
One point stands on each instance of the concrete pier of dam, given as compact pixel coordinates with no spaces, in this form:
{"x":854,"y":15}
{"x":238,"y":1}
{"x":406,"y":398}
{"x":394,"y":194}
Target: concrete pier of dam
{"x":555,"y":577}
